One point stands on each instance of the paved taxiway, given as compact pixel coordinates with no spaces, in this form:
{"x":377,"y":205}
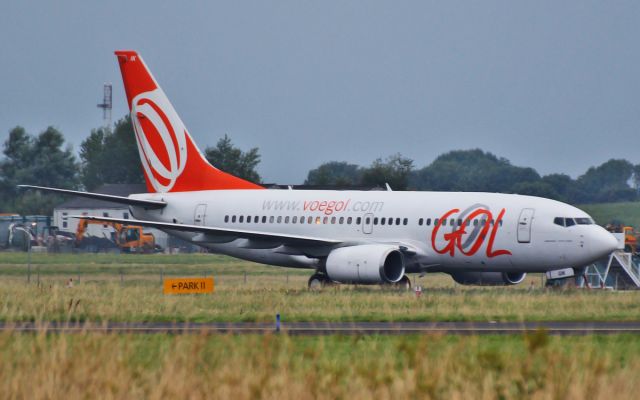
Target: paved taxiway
{"x":325,"y":328}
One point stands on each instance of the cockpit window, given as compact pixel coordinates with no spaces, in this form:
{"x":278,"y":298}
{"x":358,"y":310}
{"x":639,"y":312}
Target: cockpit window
{"x":572,"y":221}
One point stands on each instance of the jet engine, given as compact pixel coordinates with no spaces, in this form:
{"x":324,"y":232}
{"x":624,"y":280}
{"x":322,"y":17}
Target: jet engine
{"x":369,"y":263}
{"x":488,"y":278}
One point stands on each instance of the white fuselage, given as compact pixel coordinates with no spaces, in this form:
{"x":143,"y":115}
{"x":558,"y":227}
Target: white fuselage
{"x":480,"y":231}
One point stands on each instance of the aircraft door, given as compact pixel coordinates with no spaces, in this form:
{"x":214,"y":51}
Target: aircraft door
{"x":367,"y":223}
{"x":524,"y":225}
{"x":200,"y":214}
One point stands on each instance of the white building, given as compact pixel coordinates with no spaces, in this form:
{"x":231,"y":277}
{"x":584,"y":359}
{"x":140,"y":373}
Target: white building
{"x":84,"y":206}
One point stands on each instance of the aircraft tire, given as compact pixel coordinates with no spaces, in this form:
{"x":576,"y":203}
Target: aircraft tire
{"x":403,"y":284}
{"x":317,"y":282}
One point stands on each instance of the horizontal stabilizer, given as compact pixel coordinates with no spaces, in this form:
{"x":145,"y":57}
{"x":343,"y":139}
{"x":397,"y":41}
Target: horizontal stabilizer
{"x":100,"y":196}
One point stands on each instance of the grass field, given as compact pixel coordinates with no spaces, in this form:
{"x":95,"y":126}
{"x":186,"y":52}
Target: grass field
{"x":128,"y":288}
{"x":627,"y":213}
{"x":354,"y":367}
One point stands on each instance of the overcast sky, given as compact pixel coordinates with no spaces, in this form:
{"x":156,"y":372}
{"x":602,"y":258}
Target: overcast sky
{"x":549,"y":84}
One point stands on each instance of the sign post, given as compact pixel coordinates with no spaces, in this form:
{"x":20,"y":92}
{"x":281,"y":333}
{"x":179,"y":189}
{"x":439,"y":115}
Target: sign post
{"x":188,"y":285}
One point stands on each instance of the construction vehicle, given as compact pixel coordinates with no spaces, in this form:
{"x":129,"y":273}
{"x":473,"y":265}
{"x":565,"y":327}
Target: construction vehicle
{"x":128,"y":238}
{"x":630,"y":236}
{"x":630,"y":240}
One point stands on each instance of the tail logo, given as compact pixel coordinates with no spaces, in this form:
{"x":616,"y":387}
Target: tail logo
{"x":161,"y":137}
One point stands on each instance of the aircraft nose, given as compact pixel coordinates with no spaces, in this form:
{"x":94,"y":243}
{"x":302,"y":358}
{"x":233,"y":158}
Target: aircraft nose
{"x":604,"y":243}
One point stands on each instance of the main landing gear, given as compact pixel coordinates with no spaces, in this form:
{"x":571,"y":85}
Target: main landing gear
{"x":318,"y":281}
{"x":403,"y":284}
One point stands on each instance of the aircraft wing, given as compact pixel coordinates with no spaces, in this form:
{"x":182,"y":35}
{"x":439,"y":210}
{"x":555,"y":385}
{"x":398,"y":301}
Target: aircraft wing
{"x":222,"y":235}
{"x":151,"y":204}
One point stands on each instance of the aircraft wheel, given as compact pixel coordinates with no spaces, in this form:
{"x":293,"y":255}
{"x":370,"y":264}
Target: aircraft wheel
{"x":317,"y":282}
{"x":403,"y":284}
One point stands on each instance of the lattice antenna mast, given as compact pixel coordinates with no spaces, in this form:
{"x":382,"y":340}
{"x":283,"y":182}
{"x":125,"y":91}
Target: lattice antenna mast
{"x":106,"y":105}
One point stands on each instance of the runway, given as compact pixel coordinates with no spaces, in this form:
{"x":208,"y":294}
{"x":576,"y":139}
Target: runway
{"x":328,"y":328}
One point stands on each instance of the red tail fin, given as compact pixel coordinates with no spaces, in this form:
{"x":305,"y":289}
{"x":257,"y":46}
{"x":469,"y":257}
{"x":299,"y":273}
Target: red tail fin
{"x":170,"y":159}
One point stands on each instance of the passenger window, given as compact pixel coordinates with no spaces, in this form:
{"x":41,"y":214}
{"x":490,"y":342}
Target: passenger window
{"x":405,"y":221}
{"x":264,"y":219}
{"x":349,"y":219}
{"x":500,"y":223}
{"x":459,"y":222}
{"x":318,"y":221}
{"x":294,"y":219}
{"x":286,"y":220}
{"x":226,"y":218}
{"x":420,"y":221}
{"x":310,"y":220}
{"x":367,"y":221}
{"x":333,"y":220}
{"x":358,"y":220}
{"x":475,"y":222}
{"x":375,"y":221}
{"x":271,"y":219}
{"x":233,"y":219}
{"x":341,"y":220}
{"x":279,"y":219}
{"x":382,"y":221}
{"x":435,"y":221}
{"x":428,"y":221}
{"x":325,"y":220}
{"x":248,"y":219}
{"x":256,"y":219}
{"x":397,"y":221}
{"x":452,"y":222}
{"x":241,"y":219}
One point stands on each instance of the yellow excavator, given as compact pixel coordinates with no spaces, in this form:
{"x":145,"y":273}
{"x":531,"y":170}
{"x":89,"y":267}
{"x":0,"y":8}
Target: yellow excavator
{"x":128,"y":238}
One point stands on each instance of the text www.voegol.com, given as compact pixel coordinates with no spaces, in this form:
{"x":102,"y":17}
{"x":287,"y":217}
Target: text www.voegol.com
{"x":327,"y":207}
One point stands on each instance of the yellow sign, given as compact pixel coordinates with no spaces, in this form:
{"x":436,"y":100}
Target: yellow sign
{"x":188,"y":285}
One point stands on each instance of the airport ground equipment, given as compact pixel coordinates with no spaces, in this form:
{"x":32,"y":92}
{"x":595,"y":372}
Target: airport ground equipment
{"x":621,"y":270}
{"x":128,"y":238}
{"x":630,"y":239}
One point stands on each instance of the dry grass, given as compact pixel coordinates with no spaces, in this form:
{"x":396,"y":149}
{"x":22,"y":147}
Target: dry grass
{"x":101,"y":296}
{"x":41,"y":366}
{"x":249,"y":367}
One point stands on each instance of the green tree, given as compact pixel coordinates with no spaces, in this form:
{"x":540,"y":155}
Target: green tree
{"x":608,"y":182}
{"x":335,"y":173}
{"x":110,"y":156}
{"x":472,"y":170}
{"x":539,"y":188}
{"x":41,"y":160}
{"x":395,"y":171}
{"x":230,"y":159}
{"x":564,"y":187}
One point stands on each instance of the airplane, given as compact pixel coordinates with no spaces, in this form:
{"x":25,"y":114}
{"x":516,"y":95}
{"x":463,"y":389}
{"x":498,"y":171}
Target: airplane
{"x":344,"y":236}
